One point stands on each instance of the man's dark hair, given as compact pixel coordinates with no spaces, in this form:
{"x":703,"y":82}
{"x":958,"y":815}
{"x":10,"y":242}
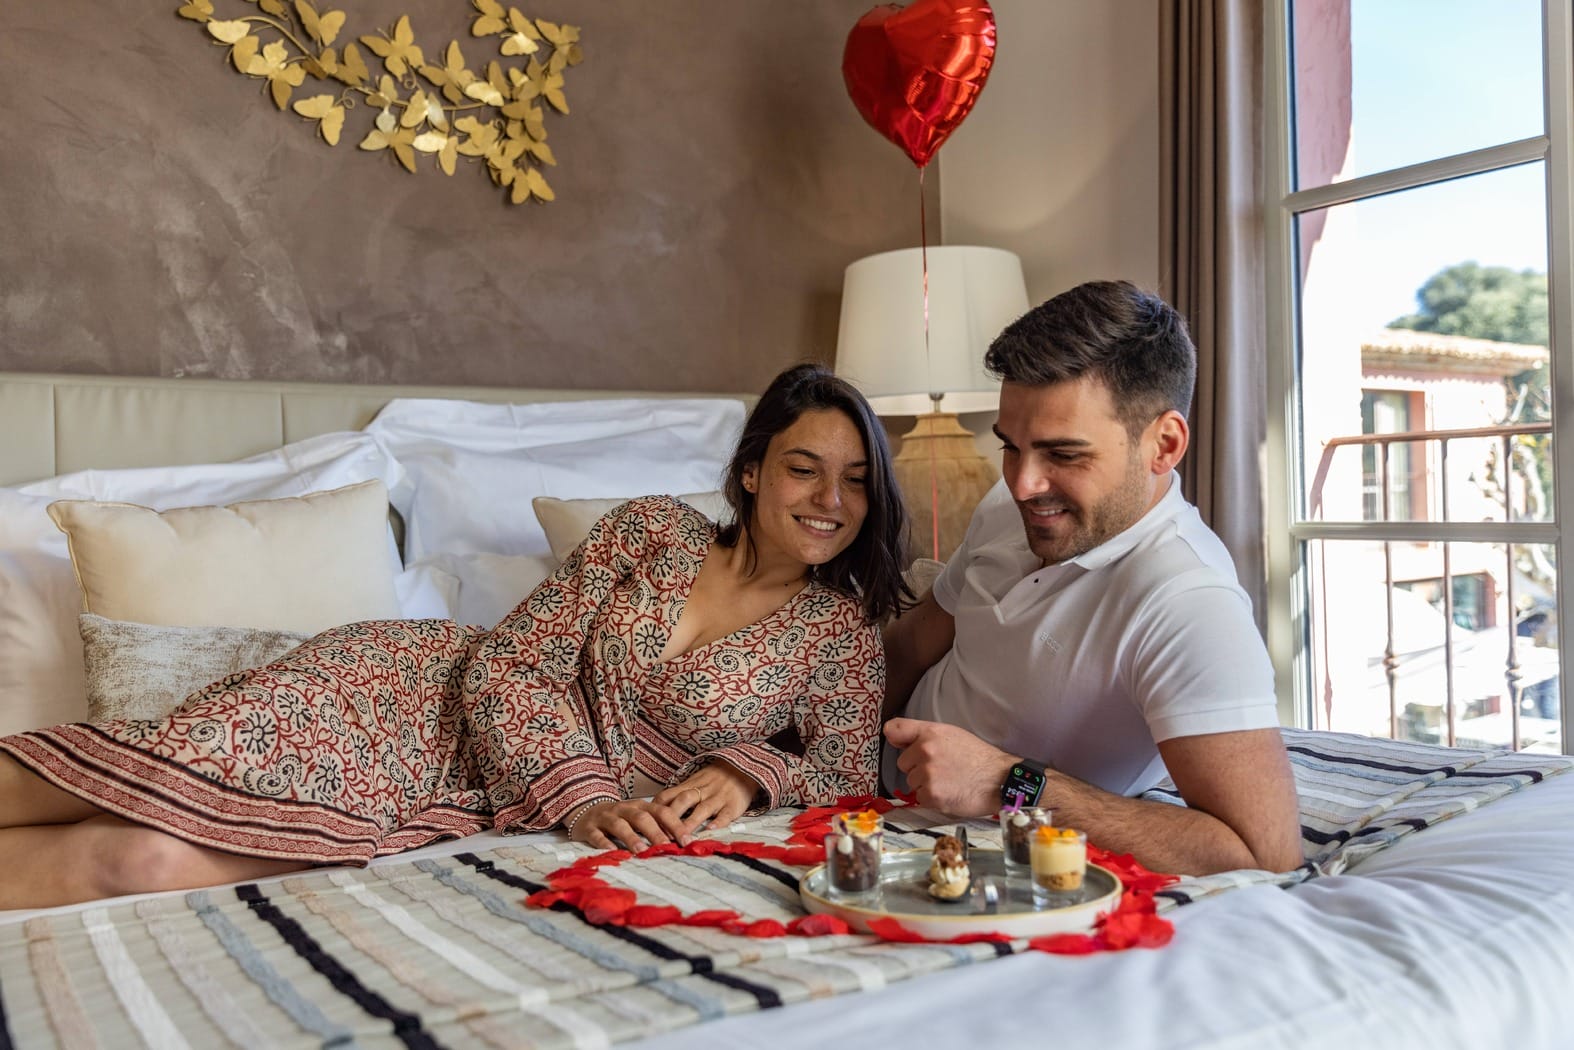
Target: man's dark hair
{"x":870,"y":569}
{"x":1132,"y":341}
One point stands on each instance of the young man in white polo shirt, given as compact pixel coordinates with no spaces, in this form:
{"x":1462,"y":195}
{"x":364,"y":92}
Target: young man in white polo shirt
{"x":1089,"y":634}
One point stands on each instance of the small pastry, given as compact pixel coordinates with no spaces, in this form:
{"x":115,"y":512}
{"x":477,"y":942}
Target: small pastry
{"x":949,"y":877}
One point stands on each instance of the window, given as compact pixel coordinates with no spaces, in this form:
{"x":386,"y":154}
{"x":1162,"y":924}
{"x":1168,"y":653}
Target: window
{"x":1389,"y":483}
{"x":1420,"y":280}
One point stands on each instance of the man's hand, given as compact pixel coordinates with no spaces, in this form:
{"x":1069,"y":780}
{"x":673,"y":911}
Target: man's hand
{"x":948,"y":768}
{"x":716,"y":795}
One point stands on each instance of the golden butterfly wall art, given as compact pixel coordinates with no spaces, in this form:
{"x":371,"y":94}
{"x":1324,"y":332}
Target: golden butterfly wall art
{"x":439,"y":107}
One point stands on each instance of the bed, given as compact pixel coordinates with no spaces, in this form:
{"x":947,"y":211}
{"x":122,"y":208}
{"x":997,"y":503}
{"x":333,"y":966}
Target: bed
{"x":1439,"y":910}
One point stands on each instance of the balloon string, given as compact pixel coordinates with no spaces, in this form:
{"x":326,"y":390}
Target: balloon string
{"x":929,"y":370}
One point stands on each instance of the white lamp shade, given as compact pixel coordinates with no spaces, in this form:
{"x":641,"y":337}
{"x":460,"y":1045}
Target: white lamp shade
{"x":973,"y":294}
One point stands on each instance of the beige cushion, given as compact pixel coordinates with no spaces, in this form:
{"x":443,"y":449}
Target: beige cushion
{"x":299,"y":564}
{"x":568,"y":521}
{"x":921,"y":575}
{"x":138,"y":670}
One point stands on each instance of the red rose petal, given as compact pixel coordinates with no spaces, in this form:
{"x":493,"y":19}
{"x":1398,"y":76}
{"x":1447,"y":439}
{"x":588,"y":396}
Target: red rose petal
{"x":803,"y":856}
{"x":818,"y":925}
{"x":889,"y":929}
{"x":714,"y":917}
{"x":608,"y":905}
{"x":1065,"y":944}
{"x":651,"y":915}
{"x":575,"y":882}
{"x":992,"y":937}
{"x":813,"y":837}
{"x":765,"y":928}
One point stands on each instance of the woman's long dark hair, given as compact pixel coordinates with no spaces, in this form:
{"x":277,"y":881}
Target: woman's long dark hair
{"x":870,"y":569}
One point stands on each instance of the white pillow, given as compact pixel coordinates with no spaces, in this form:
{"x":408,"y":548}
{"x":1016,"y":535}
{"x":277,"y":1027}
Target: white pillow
{"x":302,"y":563}
{"x":472,"y":469}
{"x":568,"y":521}
{"x":328,"y":461}
{"x":41,"y":677}
{"x":425,"y":594}
{"x":482,"y":588}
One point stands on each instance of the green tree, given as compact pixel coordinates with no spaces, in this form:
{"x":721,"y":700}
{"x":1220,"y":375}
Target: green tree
{"x":1483,"y":302}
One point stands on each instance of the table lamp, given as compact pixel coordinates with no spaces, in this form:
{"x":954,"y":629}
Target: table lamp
{"x":973,"y":294}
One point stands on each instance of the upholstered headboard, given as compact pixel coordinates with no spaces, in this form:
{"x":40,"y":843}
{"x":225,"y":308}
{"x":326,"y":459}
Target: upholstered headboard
{"x":56,"y":424}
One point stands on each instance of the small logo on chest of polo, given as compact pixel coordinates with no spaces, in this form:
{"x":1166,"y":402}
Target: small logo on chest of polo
{"x":1048,"y":641}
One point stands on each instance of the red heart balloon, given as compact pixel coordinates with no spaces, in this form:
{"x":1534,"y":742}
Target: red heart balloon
{"x":914,"y":72}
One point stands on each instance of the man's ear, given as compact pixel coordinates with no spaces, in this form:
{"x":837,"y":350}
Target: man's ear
{"x":1169,"y":436}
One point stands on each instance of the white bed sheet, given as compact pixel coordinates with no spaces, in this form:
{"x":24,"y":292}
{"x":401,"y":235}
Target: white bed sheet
{"x":1458,"y":936}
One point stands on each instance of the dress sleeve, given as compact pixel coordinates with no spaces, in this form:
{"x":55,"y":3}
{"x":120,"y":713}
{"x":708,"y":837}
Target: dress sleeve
{"x":838,"y":720}
{"x":537,"y":749}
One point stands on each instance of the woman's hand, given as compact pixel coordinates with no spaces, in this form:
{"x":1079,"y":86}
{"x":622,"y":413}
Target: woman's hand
{"x":716,"y":794}
{"x":631,"y":823}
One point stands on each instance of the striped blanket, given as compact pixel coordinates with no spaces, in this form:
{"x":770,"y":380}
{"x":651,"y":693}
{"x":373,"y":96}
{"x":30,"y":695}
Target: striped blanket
{"x":442,"y":952}
{"x":1359,"y":795}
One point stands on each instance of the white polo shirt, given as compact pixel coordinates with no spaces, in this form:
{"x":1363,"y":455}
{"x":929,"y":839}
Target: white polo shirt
{"x":1087,"y":664}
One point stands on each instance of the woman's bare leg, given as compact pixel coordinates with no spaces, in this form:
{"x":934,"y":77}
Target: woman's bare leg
{"x":105,"y":856}
{"x":27,"y":798}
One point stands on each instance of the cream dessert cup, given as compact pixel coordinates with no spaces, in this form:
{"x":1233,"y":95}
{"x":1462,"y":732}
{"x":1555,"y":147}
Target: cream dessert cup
{"x":1059,"y":858}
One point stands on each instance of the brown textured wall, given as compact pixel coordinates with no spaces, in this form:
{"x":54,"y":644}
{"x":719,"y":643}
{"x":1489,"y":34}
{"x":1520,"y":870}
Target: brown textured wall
{"x":158,"y":216}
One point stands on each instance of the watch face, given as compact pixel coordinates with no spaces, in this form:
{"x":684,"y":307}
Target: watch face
{"x":1022,"y":786}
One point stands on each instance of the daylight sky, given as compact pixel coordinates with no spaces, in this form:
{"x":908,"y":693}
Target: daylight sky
{"x":1433,"y":78}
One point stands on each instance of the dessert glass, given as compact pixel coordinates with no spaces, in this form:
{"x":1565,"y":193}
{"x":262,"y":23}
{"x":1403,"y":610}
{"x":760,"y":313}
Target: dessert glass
{"x":1059,"y":861}
{"x":1017,"y":827}
{"x":852,"y":854}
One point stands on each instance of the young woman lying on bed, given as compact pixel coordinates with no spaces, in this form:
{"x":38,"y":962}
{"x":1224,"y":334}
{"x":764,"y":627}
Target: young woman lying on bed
{"x":664,"y":651}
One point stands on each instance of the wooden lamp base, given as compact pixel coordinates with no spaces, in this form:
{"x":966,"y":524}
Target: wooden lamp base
{"x":942,"y":477}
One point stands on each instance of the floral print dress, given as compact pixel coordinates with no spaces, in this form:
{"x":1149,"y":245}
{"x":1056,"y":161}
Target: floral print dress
{"x":379,"y":737}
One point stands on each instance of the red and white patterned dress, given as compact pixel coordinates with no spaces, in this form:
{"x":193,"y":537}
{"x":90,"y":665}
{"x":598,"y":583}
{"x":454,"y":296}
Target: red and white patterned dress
{"x":379,"y":737}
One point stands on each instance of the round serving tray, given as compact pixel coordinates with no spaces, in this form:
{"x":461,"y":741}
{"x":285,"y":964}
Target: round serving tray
{"x":903,"y":895}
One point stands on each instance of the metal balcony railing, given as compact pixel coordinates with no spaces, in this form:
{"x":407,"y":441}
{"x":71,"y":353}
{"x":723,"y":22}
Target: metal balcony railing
{"x":1444,"y":531}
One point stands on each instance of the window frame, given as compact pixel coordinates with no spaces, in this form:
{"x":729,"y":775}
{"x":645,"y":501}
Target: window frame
{"x":1288,"y":533}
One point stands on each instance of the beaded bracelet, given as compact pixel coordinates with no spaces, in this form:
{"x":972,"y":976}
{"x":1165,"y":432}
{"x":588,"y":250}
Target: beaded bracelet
{"x":586,"y":808}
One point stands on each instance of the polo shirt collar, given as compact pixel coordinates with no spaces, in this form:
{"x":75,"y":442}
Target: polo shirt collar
{"x":1116,"y":547}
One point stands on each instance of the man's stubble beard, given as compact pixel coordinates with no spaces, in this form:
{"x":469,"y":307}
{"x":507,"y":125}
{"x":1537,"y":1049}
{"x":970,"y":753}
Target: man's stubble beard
{"x":1111,"y":516}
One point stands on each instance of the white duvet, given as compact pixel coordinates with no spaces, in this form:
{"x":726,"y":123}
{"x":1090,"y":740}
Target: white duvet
{"x":1461,"y":935}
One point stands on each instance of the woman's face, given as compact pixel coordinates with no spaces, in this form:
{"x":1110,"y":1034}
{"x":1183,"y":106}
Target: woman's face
{"x":809,"y":498}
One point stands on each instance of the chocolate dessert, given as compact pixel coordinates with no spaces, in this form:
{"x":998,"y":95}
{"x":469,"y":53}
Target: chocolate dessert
{"x":1017,"y":827}
{"x":854,"y":857}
